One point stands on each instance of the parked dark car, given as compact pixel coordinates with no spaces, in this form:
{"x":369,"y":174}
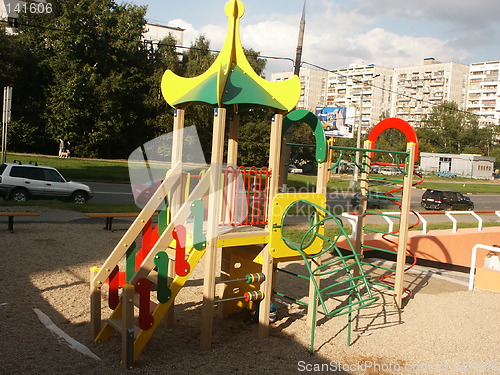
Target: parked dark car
{"x":376,"y":199}
{"x":434,"y":199}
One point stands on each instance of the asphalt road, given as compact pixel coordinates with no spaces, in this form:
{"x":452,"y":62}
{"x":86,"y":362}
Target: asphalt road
{"x":121,"y":193}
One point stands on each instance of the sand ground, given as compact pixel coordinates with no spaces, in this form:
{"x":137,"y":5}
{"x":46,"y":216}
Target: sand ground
{"x":443,"y":329}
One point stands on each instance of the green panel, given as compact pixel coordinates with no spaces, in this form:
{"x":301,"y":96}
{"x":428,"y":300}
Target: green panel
{"x":163,"y":218}
{"x":199,"y":239}
{"x":241,"y":88}
{"x":303,"y":115}
{"x":130,"y":262}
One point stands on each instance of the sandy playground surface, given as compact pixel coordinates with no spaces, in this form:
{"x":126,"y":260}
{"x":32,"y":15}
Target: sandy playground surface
{"x":444,"y":329}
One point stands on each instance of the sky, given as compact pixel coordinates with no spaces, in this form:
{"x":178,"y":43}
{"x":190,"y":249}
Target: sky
{"x":338,"y":33}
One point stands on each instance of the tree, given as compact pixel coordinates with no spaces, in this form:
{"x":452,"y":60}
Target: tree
{"x":98,"y":69}
{"x":160,"y":114}
{"x":451,"y":130}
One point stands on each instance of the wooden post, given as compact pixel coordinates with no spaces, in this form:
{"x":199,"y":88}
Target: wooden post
{"x":321,"y":182}
{"x":363,"y":204}
{"x":95,"y":304}
{"x":127,"y":303}
{"x":176,"y":195}
{"x":232,"y":142}
{"x":275,"y":155}
{"x":232,"y":160}
{"x":268,"y":266}
{"x":403,"y":225}
{"x":212,"y":228}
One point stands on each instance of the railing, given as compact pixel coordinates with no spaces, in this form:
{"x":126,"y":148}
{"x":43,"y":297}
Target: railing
{"x":245,"y":196}
{"x":389,"y":216}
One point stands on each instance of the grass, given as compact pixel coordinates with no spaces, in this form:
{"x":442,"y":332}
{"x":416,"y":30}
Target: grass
{"x":79,"y":169}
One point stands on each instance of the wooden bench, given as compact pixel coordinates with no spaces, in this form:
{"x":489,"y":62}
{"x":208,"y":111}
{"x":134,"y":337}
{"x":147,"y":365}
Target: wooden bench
{"x":12,"y":214}
{"x":109,"y":216}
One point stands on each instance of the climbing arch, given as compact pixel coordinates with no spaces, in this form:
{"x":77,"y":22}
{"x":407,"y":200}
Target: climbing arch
{"x":394,"y":123}
{"x":303,"y":115}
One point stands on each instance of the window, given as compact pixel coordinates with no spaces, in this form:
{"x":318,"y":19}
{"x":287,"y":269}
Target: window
{"x":51,"y":175}
{"x":36,"y":173}
{"x":21,"y":172}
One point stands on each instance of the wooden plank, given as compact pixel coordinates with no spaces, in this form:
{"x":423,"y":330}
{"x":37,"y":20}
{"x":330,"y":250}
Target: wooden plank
{"x":19,"y":214}
{"x":268,"y":264}
{"x":267,"y":288}
{"x":212,"y":229}
{"x":403,"y":226}
{"x":112,"y":214}
{"x":95,"y":304}
{"x":127,"y":322}
{"x":232,"y":142}
{"x":136,"y":227}
{"x":166,"y":238}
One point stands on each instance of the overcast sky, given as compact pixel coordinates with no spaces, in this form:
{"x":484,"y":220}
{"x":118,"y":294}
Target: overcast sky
{"x":388,"y":33}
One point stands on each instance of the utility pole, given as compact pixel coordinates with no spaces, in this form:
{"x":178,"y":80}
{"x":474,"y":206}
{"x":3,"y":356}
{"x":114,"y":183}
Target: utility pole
{"x":296,"y":71}
{"x":7,"y":103}
{"x":300,"y":42}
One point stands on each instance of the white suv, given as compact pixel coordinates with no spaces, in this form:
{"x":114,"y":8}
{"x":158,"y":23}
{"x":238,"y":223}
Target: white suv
{"x":20,"y":182}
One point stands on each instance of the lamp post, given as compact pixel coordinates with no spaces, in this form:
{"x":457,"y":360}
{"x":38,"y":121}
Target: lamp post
{"x":358,"y":135}
{"x":7,"y":101}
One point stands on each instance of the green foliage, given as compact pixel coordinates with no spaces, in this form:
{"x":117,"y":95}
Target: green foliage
{"x":302,"y":134}
{"x":450,"y":130}
{"x":95,"y":71}
{"x":255,"y":129}
{"x":93,"y":83}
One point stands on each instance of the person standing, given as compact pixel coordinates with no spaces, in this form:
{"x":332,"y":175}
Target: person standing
{"x":61,"y":147}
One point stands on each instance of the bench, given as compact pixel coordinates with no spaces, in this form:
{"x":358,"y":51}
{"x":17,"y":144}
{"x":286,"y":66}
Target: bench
{"x":109,"y":216}
{"x":12,"y":214}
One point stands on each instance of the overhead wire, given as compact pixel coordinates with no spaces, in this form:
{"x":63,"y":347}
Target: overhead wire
{"x":159,"y":43}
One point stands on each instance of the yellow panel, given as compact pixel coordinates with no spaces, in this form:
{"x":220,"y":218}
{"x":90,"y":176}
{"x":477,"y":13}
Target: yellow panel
{"x":278,"y":247}
{"x":242,"y":241}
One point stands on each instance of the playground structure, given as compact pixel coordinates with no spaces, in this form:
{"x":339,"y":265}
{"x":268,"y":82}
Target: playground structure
{"x":159,"y":259}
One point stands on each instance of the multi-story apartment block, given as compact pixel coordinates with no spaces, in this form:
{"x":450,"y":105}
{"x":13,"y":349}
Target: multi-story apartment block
{"x":409,"y":92}
{"x":419,"y":88}
{"x":313,"y":87}
{"x":365,"y":87}
{"x":484,"y":92}
{"x":156,"y":33}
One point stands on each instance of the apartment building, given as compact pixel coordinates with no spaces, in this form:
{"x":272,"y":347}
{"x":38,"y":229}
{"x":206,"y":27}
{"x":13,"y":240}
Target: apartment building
{"x":313,"y":87}
{"x":409,"y":92}
{"x":155,"y":33}
{"x":367,"y":88}
{"x":484,"y":91}
{"x":419,"y":88}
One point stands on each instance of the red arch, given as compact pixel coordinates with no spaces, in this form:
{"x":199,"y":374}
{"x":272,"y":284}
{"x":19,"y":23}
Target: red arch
{"x":394,"y":123}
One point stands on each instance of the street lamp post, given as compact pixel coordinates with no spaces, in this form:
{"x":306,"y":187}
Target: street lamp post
{"x":7,"y":101}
